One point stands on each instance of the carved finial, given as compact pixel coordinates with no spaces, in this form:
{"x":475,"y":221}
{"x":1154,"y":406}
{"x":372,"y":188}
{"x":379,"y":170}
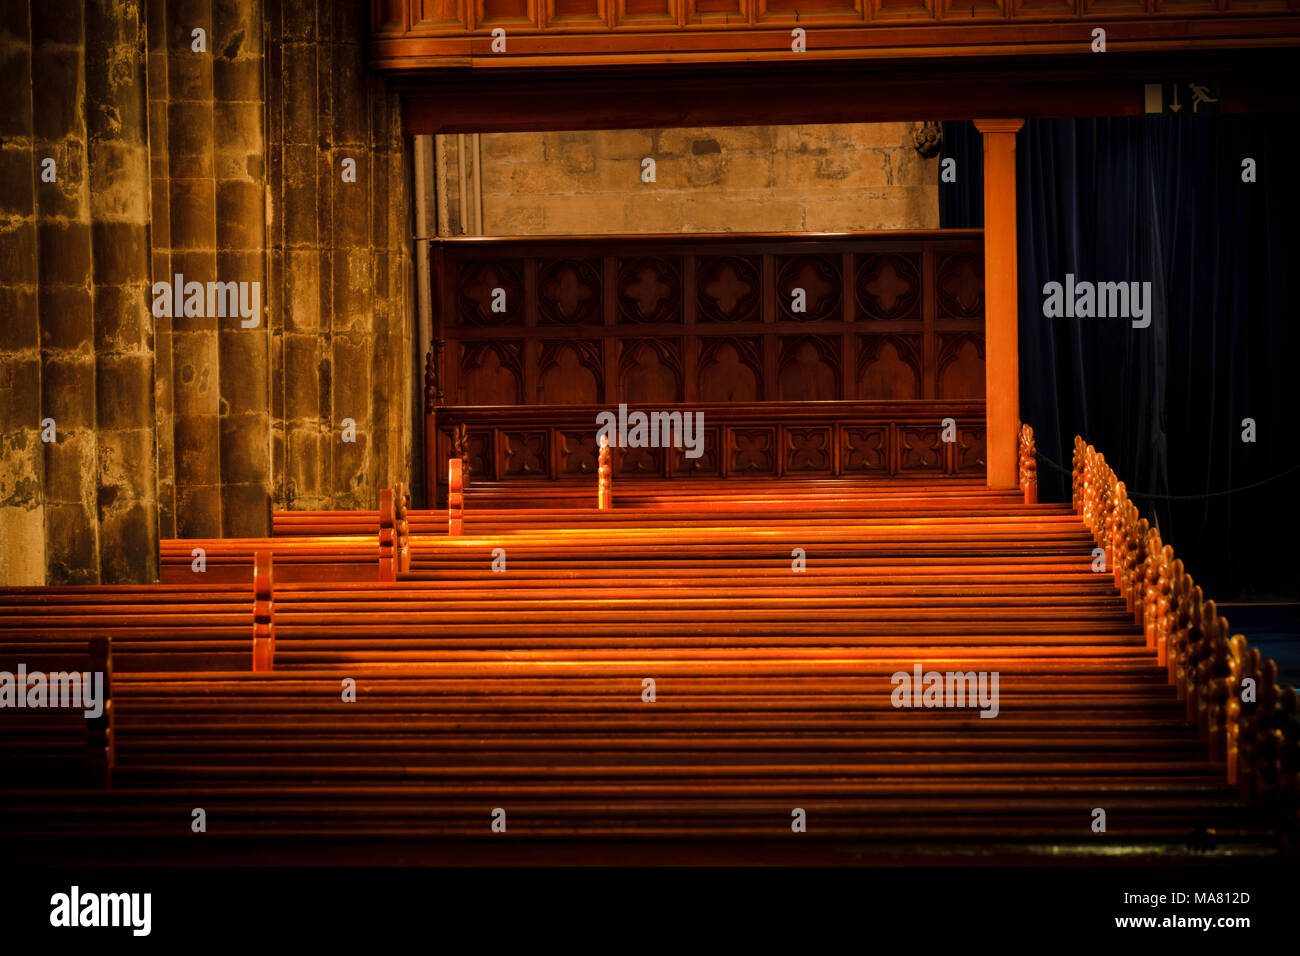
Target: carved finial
{"x":604,"y":489}
{"x":430,"y":382}
{"x":460,"y":449}
{"x":1028,"y":465}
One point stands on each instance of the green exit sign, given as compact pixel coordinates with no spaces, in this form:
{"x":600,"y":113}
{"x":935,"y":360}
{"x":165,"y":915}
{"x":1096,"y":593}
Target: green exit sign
{"x":1184,"y":98}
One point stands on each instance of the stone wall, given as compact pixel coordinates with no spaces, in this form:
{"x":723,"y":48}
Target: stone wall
{"x":220,"y":164}
{"x":731,"y":179}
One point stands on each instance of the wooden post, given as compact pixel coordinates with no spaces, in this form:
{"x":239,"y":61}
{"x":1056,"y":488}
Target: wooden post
{"x":402,"y":529}
{"x":1028,"y":465}
{"x":455,"y":497}
{"x":100,"y":748}
{"x":431,"y":395}
{"x":263,"y":612}
{"x":387,"y":534}
{"x":1001,"y":335}
{"x":604,"y":489}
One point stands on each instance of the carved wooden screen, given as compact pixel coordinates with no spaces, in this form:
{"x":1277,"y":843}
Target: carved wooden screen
{"x":723,"y":319}
{"x":826,"y":356}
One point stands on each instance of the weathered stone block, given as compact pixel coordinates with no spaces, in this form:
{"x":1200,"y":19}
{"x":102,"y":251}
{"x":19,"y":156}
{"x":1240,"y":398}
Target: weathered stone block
{"x":71,"y":470}
{"x":20,"y":391}
{"x":195,"y":373}
{"x":16,"y":172}
{"x":72,"y":537}
{"x":22,"y":544}
{"x":127,"y":470}
{"x":245,"y":511}
{"x":121,"y":252}
{"x":193,"y":214}
{"x":124,"y":390}
{"x":198,"y":451}
{"x":68,"y":390}
{"x":18,"y":253}
{"x":245,"y":448}
{"x":128,"y":545}
{"x":20,"y":327}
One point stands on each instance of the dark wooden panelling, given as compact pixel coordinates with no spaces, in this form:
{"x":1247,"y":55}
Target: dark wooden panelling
{"x":610,"y":319}
{"x":571,"y":372}
{"x":569,"y":292}
{"x":728,"y":288}
{"x":762,"y":439}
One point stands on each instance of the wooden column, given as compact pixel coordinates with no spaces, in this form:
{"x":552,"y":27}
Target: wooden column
{"x":1001,"y":342}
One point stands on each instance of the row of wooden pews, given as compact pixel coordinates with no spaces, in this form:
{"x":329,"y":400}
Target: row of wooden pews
{"x":716,"y":667}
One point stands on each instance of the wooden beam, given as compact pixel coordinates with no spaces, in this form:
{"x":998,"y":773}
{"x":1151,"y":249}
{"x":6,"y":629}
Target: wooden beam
{"x":1001,"y":334}
{"x":744,"y":94}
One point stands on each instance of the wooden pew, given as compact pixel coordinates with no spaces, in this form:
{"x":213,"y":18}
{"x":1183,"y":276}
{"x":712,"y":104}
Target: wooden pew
{"x":525,"y":689}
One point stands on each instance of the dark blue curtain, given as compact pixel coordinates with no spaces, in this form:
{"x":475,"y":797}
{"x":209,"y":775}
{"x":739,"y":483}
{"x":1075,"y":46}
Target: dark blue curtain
{"x":1163,"y":201}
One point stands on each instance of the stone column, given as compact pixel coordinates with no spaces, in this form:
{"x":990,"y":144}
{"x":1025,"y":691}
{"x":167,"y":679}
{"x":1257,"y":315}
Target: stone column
{"x":241,"y":255}
{"x":160,"y":251}
{"x":66,"y":307}
{"x":118,"y":153}
{"x":192,"y":218}
{"x":22,"y":513}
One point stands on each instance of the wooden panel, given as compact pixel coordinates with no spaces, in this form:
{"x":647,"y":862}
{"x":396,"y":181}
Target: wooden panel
{"x":389,"y":16}
{"x":761,"y":439}
{"x":1119,"y":8}
{"x":888,"y":286}
{"x":961,"y":365}
{"x":902,"y":9}
{"x":707,"y":465}
{"x":524,"y":453}
{"x":710,"y":318}
{"x":1026,"y":9}
{"x":491,"y":373}
{"x":969,"y":449}
{"x":569,"y":292}
{"x":728,"y":289}
{"x":650,"y":290}
{"x":972,"y":10}
{"x":570,"y":372}
{"x":575,"y":13}
{"x":752,"y":450}
{"x":650,"y":372}
{"x":714,"y":12}
{"x":432,"y":14}
{"x":817,"y":278}
{"x":490,"y":292}
{"x":890,"y":367}
{"x":808,"y":450}
{"x":921,"y":450}
{"x":730,"y":369}
{"x":865,"y":449}
{"x":639,"y":14}
{"x":961,"y":285}
{"x":810,"y":11}
{"x":504,"y":13}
